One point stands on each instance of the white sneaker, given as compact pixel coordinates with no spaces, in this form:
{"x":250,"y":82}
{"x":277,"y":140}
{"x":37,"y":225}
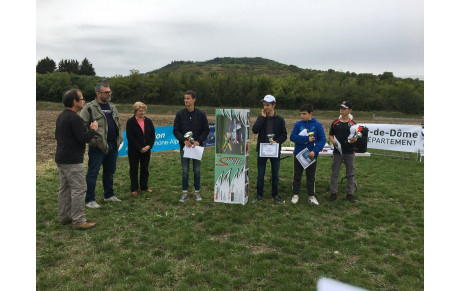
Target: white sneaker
{"x":113,"y":199}
{"x":312,"y":200}
{"x":92,"y":204}
{"x":295,"y":198}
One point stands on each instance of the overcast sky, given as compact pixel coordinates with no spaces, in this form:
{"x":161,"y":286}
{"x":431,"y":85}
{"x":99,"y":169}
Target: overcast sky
{"x":362,"y":36}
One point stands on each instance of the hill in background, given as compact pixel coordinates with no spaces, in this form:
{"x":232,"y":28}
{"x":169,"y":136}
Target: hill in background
{"x":240,"y":82}
{"x":228,"y":65}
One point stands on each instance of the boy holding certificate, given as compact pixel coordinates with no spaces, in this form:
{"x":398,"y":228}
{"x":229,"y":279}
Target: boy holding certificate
{"x":191,"y":129}
{"x":308,"y":135}
{"x":271,"y":131}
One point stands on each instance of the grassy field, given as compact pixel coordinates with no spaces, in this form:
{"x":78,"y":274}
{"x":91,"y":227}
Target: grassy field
{"x":154,"y":242}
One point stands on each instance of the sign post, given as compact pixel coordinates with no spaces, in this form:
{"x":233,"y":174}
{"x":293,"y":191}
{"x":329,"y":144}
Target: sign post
{"x":232,"y":156}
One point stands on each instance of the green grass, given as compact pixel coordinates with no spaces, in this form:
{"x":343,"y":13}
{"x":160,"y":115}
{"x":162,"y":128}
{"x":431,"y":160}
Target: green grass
{"x":154,"y":242}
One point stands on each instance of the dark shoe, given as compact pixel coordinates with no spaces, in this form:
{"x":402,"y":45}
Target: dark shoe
{"x":65,"y":222}
{"x":278,"y":199}
{"x":257,"y":199}
{"x":83,"y":226}
{"x":333,"y":197}
{"x":350,"y":198}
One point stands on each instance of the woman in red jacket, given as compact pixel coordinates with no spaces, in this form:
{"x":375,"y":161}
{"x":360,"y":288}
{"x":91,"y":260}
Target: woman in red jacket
{"x":140,"y":133}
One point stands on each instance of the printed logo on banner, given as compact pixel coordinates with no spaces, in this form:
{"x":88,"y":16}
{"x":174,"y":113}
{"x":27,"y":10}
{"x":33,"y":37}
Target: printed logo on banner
{"x":394,"y":137}
{"x":165,"y":140}
{"x":123,"y":150}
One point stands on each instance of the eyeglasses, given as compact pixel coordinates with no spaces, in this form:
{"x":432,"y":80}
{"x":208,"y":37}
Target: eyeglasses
{"x":106,"y":92}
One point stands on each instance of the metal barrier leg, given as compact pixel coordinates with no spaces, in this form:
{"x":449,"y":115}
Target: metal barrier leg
{"x":356,"y":184}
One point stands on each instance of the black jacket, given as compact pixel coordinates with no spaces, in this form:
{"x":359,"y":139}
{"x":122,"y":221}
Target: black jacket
{"x":71,"y":135}
{"x":341,"y":130}
{"x":279,"y":129}
{"x":195,"y":121}
{"x":136,"y":138}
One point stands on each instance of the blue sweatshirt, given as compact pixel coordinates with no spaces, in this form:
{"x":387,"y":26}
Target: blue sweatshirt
{"x":301,"y":141}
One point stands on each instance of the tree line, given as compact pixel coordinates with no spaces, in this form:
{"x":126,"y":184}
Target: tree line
{"x":323,"y":89}
{"x":48,"y":65}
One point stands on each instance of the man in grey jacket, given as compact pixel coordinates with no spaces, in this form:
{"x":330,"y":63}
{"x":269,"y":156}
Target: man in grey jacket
{"x":103,"y":147}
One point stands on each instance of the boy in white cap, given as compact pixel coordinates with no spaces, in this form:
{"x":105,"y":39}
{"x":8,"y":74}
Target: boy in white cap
{"x":269,"y":123}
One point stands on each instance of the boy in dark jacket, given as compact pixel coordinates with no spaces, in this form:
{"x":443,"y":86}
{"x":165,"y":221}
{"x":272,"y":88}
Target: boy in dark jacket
{"x":338,"y":135}
{"x":190,"y":119}
{"x":270,"y":128}
{"x":307,"y":133}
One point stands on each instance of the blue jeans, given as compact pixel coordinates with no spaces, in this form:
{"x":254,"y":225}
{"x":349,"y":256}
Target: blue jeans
{"x":185,"y":162}
{"x":261,"y":165}
{"x":109,"y":164}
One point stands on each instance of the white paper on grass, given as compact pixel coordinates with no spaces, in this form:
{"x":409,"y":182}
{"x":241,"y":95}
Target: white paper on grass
{"x":304,"y":159}
{"x":195,"y":152}
{"x":326,"y":284}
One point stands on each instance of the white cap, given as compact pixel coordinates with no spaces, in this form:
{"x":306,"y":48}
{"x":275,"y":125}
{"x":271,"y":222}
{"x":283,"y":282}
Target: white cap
{"x":269,"y":99}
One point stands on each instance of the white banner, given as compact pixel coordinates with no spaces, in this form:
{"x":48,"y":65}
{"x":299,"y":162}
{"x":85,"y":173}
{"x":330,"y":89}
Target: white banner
{"x":394,"y":137}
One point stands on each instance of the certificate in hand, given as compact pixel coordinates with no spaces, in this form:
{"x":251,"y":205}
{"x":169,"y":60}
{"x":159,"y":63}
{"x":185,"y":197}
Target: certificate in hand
{"x":304,"y":159}
{"x":195,"y":152}
{"x":268,"y":150}
{"x":339,"y":146}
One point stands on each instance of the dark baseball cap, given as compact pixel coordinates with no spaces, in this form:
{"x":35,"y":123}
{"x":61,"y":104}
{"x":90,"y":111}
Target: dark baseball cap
{"x":346,"y":104}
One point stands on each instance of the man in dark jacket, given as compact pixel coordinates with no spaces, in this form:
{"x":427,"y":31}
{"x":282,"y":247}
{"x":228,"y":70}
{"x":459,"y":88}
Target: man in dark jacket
{"x":72,"y":135}
{"x":270,"y":128}
{"x":190,"y":119}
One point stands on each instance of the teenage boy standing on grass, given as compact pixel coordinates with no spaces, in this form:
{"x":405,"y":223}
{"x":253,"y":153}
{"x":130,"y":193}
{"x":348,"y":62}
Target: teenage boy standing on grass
{"x":307,"y":133}
{"x":72,"y":135}
{"x":194,"y":120}
{"x":269,"y":123}
{"x":340,"y":130}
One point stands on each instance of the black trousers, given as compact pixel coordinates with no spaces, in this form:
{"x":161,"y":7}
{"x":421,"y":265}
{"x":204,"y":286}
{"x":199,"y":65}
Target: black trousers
{"x":310,"y":177}
{"x":136,"y":158}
